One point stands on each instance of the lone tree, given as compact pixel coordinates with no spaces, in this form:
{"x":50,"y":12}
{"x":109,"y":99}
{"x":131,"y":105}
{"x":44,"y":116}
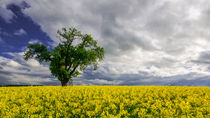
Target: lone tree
{"x":72,"y":55}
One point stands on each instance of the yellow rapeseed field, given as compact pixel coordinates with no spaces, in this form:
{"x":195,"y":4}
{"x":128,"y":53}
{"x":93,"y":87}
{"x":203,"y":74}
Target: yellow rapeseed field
{"x":105,"y":101}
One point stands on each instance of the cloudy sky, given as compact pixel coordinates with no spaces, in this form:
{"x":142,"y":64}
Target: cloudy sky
{"x":146,"y":42}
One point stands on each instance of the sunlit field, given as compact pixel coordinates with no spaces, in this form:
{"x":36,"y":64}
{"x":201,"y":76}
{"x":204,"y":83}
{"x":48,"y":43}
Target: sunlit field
{"x":105,"y":101}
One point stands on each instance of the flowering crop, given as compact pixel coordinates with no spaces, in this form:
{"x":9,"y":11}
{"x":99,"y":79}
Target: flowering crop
{"x":105,"y":101}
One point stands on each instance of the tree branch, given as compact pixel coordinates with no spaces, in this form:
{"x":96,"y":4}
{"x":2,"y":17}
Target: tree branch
{"x":69,"y":66}
{"x":67,"y":56}
{"x":74,"y":69}
{"x":67,"y":52}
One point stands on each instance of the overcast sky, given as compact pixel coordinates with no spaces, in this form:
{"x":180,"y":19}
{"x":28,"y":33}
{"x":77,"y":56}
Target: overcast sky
{"x":146,"y":42}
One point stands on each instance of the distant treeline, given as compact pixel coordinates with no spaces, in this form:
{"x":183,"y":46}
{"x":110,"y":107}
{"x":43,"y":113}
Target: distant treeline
{"x":17,"y":85}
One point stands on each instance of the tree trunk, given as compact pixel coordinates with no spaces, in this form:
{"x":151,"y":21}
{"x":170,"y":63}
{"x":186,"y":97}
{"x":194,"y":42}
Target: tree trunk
{"x":64,"y":82}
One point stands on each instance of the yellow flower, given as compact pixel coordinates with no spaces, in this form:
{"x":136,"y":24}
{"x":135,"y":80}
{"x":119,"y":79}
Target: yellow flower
{"x":104,"y":101}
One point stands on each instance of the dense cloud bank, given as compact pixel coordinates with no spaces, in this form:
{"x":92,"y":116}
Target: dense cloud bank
{"x":147,"y":42}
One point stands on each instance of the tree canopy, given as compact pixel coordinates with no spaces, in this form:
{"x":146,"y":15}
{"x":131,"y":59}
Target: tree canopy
{"x":72,"y":55}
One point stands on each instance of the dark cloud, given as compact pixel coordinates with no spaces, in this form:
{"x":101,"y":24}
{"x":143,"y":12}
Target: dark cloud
{"x":24,"y":69}
{"x":8,"y":78}
{"x":4,"y":80}
{"x":202,"y":81}
{"x":143,"y":78}
{"x":204,"y":58}
{"x":116,"y":37}
{"x":5,"y":73}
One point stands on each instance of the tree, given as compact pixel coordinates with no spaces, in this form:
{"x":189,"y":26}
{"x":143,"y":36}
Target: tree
{"x":72,"y":55}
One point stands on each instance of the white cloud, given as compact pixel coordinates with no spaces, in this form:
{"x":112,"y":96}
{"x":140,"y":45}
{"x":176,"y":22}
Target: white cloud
{"x":160,"y":38}
{"x":103,"y":82}
{"x":33,"y":41}
{"x":19,"y":71}
{"x":5,"y":13}
{"x":128,"y":30}
{"x":13,"y":64}
{"x":194,"y":13}
{"x":20,"y":32}
{"x":33,"y":63}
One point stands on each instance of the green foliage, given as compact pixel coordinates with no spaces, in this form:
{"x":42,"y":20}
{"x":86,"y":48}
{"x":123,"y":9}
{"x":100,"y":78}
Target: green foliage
{"x":39,"y":50}
{"x":72,"y":55}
